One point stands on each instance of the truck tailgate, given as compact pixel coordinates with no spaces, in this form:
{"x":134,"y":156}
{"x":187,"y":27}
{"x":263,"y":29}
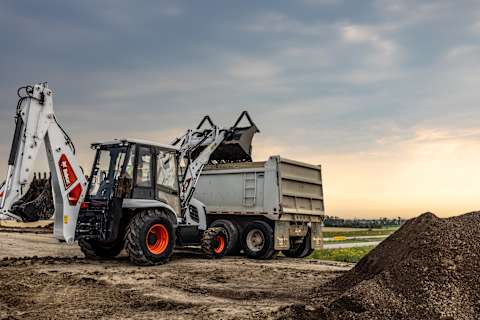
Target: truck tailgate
{"x":300,"y":188}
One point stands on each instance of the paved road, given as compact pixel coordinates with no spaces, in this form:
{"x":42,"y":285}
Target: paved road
{"x":383,"y":236}
{"x":350,"y":245}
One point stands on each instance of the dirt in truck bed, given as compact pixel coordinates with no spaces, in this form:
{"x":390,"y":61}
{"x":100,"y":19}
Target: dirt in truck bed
{"x":41,"y":278}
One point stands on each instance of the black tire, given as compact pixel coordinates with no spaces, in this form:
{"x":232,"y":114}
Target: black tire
{"x":262,"y":233}
{"x":215,"y":242}
{"x":150,"y":238}
{"x":234,"y":245}
{"x":300,"y":250}
{"x":96,"y":250}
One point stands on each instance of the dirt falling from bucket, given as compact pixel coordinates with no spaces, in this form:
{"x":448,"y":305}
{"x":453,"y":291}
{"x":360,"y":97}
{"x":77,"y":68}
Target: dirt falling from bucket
{"x":428,"y":269}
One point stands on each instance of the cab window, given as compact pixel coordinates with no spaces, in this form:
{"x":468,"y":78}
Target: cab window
{"x":144,"y":169}
{"x":166,"y":170}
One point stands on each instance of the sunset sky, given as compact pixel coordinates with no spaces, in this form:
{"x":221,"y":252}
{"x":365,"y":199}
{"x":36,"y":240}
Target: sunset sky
{"x":384,"y":94}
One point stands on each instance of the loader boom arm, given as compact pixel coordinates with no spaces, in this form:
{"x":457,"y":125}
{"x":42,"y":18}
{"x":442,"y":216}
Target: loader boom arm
{"x":36,"y":123}
{"x":192,"y":140}
{"x":197,"y":147}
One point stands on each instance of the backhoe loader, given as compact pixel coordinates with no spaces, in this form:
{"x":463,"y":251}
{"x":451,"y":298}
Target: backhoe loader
{"x":138,"y":195}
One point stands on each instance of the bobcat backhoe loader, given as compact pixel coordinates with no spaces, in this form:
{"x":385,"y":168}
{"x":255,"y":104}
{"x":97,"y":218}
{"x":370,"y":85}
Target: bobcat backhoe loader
{"x":139,"y":193}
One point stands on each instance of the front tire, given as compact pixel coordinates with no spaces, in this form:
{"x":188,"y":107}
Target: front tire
{"x":150,"y":238}
{"x":258,"y":241}
{"x":215,"y":242}
{"x":233,"y":245}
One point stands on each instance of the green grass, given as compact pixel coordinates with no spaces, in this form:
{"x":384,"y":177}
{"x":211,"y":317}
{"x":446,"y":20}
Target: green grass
{"x":352,"y":255}
{"x":360,"y":232}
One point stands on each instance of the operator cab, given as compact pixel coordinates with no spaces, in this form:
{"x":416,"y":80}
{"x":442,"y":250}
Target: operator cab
{"x":150,"y":168}
{"x":127,"y":170}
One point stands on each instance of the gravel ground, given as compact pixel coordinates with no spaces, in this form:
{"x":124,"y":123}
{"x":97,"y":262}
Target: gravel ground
{"x":44,"y":279}
{"x":428,"y":269}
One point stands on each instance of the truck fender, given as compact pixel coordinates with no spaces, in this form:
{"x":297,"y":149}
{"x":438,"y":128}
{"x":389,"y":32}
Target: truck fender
{"x":146,"y":203}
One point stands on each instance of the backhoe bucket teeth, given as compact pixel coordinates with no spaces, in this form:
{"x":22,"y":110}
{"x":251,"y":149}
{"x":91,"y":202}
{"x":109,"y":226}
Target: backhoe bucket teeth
{"x":237,"y":146}
{"x":37,"y":203}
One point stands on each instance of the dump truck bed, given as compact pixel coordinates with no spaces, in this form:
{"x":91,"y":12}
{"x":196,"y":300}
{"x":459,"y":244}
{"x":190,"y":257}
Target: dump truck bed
{"x":278,"y":188}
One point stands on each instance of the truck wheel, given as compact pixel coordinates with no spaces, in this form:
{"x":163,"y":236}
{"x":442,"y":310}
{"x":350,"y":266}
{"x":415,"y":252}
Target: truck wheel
{"x":97,"y":250}
{"x":150,"y":238}
{"x":258,"y":241}
{"x":233,"y":246}
{"x":300,"y":250}
{"x":215,"y":242}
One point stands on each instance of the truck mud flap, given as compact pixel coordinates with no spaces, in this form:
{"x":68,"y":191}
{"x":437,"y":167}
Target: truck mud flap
{"x":282,"y":235}
{"x":317,"y":235}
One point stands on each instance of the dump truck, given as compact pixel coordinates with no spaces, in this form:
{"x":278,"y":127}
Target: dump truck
{"x":266,"y":207}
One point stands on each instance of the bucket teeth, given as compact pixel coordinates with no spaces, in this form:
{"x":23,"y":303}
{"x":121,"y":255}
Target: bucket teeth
{"x":37,"y":203}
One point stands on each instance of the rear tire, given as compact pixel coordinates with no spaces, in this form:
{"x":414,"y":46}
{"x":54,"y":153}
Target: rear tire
{"x":150,"y":238}
{"x":97,"y":250}
{"x":300,"y":250}
{"x":258,"y":241}
{"x":233,"y":245}
{"x":215,"y":242}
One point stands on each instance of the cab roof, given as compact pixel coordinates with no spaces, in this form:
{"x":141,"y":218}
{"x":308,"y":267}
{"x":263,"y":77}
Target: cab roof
{"x":136,"y":141}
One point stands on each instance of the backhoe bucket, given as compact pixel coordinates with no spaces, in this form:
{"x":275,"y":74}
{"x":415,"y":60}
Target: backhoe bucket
{"x":37,"y":203}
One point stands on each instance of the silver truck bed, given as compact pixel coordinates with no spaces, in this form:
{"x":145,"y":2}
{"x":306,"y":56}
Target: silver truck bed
{"x":278,"y":188}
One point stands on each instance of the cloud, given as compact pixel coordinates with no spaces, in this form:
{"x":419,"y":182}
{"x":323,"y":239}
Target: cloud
{"x":252,"y":69}
{"x":373,"y":89}
{"x":384,"y":52}
{"x":433,"y":170}
{"x":411,"y":12}
{"x":476,"y":26}
{"x":322,"y":2}
{"x":276,"y":22}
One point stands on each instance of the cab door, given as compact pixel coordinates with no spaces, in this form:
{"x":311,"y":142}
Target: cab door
{"x":166,"y":179}
{"x":143,"y":180}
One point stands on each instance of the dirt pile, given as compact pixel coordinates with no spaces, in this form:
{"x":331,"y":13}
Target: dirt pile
{"x":428,"y":269}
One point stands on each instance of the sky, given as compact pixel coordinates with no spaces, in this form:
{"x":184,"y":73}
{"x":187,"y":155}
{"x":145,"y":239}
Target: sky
{"x":383,"y":94}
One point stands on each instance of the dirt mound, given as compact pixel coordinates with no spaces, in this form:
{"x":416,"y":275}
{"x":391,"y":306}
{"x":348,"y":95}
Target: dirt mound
{"x":428,"y":269}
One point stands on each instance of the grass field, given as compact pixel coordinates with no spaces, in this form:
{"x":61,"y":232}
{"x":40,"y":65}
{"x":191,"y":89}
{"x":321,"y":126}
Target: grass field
{"x":358,"y":232}
{"x":352,"y":255}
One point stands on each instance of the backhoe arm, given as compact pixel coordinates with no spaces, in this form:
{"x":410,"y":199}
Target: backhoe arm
{"x":36,"y":122}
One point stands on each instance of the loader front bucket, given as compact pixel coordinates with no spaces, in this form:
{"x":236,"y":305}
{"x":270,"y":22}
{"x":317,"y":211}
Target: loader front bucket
{"x":237,"y":147}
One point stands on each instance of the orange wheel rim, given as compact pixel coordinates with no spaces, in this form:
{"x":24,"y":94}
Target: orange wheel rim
{"x":220,"y":244}
{"x":157,"y":239}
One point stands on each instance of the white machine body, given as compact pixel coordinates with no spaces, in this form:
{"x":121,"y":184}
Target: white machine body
{"x":36,"y":123}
